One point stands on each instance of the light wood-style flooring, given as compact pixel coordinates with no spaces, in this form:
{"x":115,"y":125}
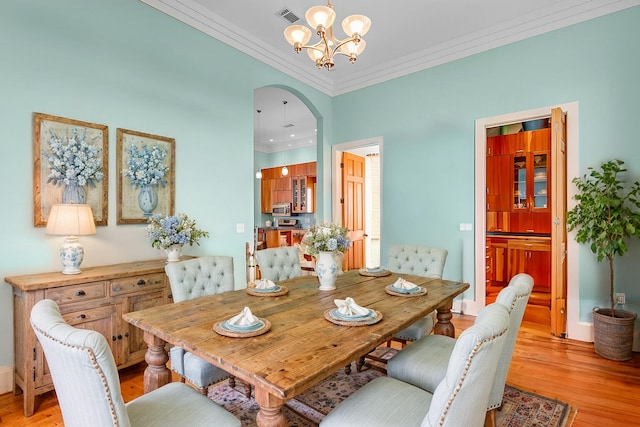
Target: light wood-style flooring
{"x":601,"y":392}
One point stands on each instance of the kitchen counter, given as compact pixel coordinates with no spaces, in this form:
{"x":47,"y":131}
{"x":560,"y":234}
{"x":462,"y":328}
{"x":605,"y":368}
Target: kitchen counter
{"x":517,"y":235}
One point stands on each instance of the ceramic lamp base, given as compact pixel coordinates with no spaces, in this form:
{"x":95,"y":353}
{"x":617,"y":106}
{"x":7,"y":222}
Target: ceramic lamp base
{"x":71,"y":255}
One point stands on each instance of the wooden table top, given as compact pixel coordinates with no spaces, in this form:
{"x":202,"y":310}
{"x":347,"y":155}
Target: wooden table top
{"x":302,"y":347}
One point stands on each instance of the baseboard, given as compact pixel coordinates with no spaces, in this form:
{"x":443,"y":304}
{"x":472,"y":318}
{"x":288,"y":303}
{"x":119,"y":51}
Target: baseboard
{"x":6,"y":379}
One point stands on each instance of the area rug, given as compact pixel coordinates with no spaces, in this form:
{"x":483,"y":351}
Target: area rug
{"x":519,"y":408}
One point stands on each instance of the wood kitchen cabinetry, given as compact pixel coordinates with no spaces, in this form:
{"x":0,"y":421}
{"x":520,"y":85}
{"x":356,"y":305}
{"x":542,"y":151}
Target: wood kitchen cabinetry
{"x":94,"y":299}
{"x":297,"y":188}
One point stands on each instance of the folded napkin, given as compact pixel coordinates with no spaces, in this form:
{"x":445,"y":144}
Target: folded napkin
{"x":245,"y":318}
{"x":348,"y":307}
{"x":264,"y":284}
{"x":404,"y":284}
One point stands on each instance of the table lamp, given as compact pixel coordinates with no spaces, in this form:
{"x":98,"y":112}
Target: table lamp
{"x":71,"y":220}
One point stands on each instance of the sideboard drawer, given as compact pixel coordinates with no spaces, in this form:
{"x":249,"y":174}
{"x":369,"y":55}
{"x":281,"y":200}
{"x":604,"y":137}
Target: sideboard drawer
{"x":88,"y":316}
{"x":136,"y":283}
{"x":76,"y":293}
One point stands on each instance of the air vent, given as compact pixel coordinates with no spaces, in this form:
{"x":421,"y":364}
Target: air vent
{"x":287,"y":15}
{"x":290,"y":125}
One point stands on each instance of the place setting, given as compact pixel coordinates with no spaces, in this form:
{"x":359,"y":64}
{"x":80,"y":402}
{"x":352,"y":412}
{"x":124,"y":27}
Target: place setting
{"x":266,"y":288}
{"x":374,"y":271}
{"x":348,"y":313}
{"x":243,"y":325}
{"x":404,"y":288}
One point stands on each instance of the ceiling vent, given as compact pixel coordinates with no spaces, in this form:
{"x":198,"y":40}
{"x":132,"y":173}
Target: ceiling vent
{"x":287,"y":15}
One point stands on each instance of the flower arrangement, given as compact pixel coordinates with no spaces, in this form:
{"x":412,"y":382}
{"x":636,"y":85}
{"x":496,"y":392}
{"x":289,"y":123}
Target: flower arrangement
{"x":146,"y":165}
{"x":73,"y":158}
{"x":325,"y":237}
{"x":173,"y":230}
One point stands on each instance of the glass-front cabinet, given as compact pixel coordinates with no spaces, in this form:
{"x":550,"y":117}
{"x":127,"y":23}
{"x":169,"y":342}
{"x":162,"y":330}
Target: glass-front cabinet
{"x":530,"y":182}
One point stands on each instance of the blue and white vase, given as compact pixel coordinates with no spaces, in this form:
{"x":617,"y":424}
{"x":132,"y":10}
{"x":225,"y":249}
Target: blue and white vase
{"x":327,"y":270}
{"x":74,"y":193}
{"x":147,"y":199}
{"x":173,"y":253}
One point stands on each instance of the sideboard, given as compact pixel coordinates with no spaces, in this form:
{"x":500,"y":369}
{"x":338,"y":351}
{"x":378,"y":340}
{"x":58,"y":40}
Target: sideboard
{"x":94,"y":299}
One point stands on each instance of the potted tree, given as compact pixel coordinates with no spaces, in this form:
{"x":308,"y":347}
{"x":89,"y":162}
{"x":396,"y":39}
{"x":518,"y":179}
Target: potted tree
{"x":608,"y":213}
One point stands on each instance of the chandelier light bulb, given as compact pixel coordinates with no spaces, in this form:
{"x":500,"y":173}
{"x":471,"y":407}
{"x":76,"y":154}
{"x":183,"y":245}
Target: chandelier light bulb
{"x":320,"y":18}
{"x":356,"y":25}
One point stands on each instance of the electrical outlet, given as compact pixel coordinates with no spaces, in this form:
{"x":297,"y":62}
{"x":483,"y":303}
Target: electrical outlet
{"x":620,"y":298}
{"x":239,"y":228}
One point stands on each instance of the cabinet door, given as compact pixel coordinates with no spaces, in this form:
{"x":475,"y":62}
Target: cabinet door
{"x":266,"y":194}
{"x":532,"y":257}
{"x":498,"y":183}
{"x":540,"y":184}
{"x":131,"y":338}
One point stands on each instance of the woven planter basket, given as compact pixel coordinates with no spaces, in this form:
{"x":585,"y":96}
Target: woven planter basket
{"x":613,"y":336}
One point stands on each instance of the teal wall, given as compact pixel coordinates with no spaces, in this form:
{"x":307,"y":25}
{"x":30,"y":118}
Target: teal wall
{"x":427,"y":121}
{"x":123,"y":64}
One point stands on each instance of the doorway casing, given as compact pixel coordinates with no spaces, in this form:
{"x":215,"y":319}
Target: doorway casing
{"x":576,"y":329}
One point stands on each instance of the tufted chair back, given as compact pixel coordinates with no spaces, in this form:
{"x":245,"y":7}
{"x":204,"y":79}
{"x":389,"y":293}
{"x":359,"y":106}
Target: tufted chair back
{"x":417,"y":260}
{"x":197,"y":277}
{"x":279,"y":263}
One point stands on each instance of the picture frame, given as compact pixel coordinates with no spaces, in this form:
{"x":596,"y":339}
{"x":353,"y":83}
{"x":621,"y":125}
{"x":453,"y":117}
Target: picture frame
{"x":53,"y":166}
{"x":146,"y":186}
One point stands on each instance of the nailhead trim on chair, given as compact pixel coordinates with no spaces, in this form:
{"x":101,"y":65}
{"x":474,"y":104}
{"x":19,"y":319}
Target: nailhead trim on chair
{"x":464,"y":375}
{"x":95,"y":364}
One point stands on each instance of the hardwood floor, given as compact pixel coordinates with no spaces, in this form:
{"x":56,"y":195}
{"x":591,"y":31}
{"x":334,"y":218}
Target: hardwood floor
{"x":604,"y":393}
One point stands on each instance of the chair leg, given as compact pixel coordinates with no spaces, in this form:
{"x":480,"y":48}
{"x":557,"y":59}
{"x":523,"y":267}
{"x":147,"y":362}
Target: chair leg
{"x":347,"y":369}
{"x":204,"y":391}
{"x":360,"y":363}
{"x":247,"y":390}
{"x":232,"y":381}
{"x":490,"y":418}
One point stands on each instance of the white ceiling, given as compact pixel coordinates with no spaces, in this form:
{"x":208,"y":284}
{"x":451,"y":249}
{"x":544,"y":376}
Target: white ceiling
{"x":405,"y":36}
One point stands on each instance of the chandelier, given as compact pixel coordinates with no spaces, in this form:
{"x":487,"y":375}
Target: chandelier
{"x":321,"y":19}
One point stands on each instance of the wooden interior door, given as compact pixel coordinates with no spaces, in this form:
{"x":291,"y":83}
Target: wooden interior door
{"x":353,"y":212}
{"x":559,"y":226}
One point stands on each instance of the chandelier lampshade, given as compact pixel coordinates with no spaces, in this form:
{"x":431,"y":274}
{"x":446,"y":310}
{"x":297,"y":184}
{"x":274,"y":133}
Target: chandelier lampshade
{"x":321,"y":19}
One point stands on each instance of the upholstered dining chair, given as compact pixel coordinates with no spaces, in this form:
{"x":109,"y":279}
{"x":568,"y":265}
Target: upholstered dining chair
{"x":279,"y":263}
{"x":424,"y":363}
{"x":194,"y":278}
{"x":422,"y":261}
{"x":87,"y":384}
{"x":460,"y":399}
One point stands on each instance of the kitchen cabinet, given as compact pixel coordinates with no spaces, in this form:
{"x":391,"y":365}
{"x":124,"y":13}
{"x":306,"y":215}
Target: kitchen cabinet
{"x":297,"y":188}
{"x":531,"y":256}
{"x":496,"y":267}
{"x":499,"y":183}
{"x":94,"y":299}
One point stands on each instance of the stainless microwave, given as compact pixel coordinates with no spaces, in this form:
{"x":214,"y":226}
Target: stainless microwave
{"x":281,"y":209}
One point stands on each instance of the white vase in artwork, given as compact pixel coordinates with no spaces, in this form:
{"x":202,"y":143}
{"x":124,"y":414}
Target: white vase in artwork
{"x":173,"y":253}
{"x":74,"y":193}
{"x":147,"y":199}
{"x":327,"y":270}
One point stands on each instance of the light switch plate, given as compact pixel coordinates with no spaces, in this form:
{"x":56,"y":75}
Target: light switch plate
{"x":239,"y":228}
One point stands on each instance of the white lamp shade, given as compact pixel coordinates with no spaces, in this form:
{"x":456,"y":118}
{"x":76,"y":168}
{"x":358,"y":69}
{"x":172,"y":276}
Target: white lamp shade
{"x":353,"y":48}
{"x":356,"y":24}
{"x":71,"y":219}
{"x":314,"y":54}
{"x":297,"y":34}
{"x":320,"y":16}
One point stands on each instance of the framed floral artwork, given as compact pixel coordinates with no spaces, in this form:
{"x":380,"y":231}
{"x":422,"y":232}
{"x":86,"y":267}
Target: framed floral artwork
{"x":70,"y":165}
{"x":146,"y":173}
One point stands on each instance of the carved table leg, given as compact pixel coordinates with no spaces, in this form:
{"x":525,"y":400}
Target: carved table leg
{"x":444,"y":325}
{"x":270,"y":414}
{"x":157,"y":374}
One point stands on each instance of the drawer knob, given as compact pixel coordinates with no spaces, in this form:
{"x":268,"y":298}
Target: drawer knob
{"x":119,"y":337}
{"x":83,"y":316}
{"x":80,"y":293}
{"x":113,"y":338}
{"x":141,"y":282}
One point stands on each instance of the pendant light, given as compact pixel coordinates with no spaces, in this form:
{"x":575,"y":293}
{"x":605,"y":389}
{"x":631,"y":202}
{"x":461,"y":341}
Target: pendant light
{"x":259,"y":173}
{"x":285,"y":170}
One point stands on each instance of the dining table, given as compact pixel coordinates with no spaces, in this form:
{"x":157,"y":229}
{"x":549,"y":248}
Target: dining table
{"x":304,"y":342}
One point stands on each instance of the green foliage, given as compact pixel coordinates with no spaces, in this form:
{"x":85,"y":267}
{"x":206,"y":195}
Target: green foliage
{"x":607,"y":213}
